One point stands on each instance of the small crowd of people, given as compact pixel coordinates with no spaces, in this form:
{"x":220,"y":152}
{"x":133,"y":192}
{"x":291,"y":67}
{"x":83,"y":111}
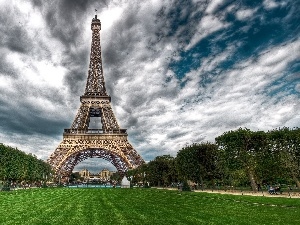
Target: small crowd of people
{"x":274,"y":190}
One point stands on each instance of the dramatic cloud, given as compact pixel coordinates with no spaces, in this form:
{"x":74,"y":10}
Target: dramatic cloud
{"x":177,"y":72}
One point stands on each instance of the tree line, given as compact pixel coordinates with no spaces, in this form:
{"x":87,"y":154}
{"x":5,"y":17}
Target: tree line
{"x":17,"y":166}
{"x":237,"y":158}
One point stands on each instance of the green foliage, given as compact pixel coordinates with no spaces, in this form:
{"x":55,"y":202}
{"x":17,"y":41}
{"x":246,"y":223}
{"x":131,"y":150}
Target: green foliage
{"x":162,"y":171}
{"x":264,"y":157}
{"x":16,"y":165}
{"x":239,"y":148}
{"x":116,"y":178}
{"x":75,"y":177}
{"x":185,"y":186}
{"x":239,"y":158}
{"x":238,"y":178}
{"x":6,"y":186}
{"x":286,"y":144}
{"x":159,"y":172}
{"x":198,"y":162}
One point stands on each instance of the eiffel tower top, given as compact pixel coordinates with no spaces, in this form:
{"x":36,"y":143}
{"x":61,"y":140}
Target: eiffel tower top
{"x":95,"y":85}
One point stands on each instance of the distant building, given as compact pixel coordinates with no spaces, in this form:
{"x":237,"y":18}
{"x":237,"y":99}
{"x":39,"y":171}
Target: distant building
{"x":85,"y":173}
{"x":103,"y":175}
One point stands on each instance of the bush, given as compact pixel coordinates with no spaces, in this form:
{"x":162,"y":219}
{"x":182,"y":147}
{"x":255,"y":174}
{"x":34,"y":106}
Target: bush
{"x":6,"y":187}
{"x":185,"y":186}
{"x":147,"y":185}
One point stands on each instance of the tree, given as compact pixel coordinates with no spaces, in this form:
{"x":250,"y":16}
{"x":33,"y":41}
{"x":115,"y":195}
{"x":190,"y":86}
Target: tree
{"x":198,"y":162}
{"x":116,"y":178}
{"x":161,"y":171}
{"x":16,"y":165}
{"x":75,"y":177}
{"x":285,"y":143}
{"x":238,"y":149}
{"x":268,"y":167}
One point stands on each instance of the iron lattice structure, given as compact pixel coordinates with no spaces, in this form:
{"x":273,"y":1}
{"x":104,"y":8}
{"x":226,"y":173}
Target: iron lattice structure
{"x":110,"y":142}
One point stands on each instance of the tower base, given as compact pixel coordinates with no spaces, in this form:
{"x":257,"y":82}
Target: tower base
{"x":77,"y":146}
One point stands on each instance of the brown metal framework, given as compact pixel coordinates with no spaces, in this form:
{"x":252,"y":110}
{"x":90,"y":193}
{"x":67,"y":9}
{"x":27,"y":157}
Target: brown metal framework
{"x":80,"y":142}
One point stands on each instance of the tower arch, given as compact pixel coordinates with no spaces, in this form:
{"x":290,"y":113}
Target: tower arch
{"x":118,"y":161}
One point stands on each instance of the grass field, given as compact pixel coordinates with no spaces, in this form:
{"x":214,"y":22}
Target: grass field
{"x":141,"y":206}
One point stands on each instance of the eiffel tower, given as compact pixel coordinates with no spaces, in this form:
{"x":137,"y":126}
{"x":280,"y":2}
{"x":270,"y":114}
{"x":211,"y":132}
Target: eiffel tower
{"x":80,"y":142}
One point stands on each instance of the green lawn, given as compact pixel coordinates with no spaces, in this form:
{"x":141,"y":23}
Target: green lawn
{"x":141,"y":206}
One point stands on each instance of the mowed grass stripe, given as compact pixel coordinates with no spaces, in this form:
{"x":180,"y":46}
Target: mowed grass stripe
{"x":142,"y":206}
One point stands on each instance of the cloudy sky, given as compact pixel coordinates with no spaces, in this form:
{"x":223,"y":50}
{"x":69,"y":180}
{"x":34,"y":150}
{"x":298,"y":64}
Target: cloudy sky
{"x":178,"y":72}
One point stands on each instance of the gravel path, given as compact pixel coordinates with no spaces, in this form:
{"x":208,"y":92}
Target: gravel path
{"x":251,"y":193}
{"x":264,"y":193}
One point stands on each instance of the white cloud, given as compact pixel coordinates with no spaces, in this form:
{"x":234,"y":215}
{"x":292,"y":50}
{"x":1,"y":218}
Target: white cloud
{"x":52,"y":75}
{"x":213,"y":5}
{"x":271,"y":4}
{"x":245,"y":14}
{"x":39,"y":73}
{"x":208,"y":25}
{"x":6,"y":83}
{"x":279,"y":56}
{"x":293,"y":121}
{"x":109,"y":17}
